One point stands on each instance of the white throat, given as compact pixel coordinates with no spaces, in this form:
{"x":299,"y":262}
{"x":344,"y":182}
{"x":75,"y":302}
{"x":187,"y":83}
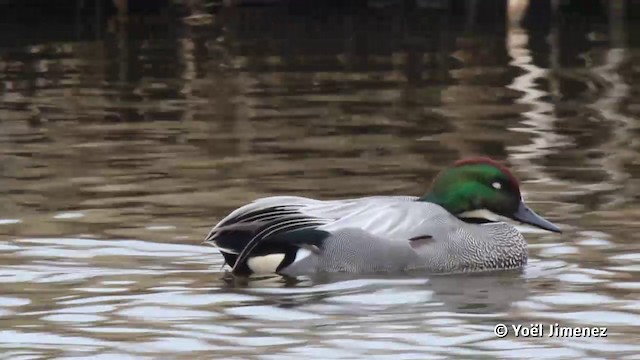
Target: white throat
{"x":485,"y":214}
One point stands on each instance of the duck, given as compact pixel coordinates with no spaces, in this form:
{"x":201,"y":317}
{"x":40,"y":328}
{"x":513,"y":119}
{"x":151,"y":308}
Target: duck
{"x":464,"y":223}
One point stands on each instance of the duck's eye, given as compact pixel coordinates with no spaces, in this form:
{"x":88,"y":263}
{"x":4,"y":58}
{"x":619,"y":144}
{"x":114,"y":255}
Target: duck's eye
{"x":496,"y":185}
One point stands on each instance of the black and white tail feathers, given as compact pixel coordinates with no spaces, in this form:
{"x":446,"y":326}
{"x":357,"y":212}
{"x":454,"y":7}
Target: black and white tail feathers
{"x":268,"y":239}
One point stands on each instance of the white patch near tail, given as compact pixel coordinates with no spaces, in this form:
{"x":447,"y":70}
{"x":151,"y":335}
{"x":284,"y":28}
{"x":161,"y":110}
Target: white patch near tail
{"x":302,"y":253}
{"x":266,"y":264}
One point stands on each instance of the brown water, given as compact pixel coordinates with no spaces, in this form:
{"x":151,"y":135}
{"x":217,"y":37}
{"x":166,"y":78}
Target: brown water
{"x":122,"y":145}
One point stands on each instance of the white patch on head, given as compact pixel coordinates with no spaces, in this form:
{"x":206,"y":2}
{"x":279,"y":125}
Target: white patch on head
{"x":496,"y":185}
{"x":266,"y":264}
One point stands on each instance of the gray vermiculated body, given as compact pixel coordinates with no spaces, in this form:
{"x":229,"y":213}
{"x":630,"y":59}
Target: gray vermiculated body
{"x":373,"y":234}
{"x":456,"y":247}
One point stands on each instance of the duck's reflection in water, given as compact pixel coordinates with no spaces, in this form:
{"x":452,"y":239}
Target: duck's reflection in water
{"x":472,"y":293}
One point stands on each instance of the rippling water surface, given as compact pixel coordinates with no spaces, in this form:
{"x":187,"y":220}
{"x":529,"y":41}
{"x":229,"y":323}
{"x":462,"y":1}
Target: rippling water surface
{"x":122,"y":142}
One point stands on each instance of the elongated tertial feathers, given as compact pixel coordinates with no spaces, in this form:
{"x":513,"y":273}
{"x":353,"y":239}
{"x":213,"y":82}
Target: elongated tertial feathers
{"x":241,"y":236}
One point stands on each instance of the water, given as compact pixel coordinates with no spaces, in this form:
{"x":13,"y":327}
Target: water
{"x":123,"y":142}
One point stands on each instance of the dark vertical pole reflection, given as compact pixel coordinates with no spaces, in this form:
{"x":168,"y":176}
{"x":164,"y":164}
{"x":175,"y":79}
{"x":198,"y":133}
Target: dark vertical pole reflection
{"x":77,"y":19}
{"x":473,"y":46}
{"x":98,"y":19}
{"x":123,"y":64}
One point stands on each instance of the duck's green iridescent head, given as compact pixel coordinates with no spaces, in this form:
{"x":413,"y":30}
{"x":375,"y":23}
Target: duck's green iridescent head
{"x":483,"y":190}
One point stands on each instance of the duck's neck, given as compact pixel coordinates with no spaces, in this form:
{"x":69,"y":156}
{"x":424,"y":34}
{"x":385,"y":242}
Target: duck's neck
{"x":446,"y":202}
{"x":460,"y":211}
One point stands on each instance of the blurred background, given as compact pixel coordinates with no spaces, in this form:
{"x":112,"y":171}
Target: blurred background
{"x":128,"y":128}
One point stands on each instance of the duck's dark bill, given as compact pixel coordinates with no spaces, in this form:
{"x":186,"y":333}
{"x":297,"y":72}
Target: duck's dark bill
{"x":528,"y":216}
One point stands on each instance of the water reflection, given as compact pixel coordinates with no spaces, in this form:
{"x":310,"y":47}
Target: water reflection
{"x":122,"y":146}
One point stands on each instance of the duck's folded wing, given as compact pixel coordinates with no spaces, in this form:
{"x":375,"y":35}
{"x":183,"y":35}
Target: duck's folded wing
{"x":393,"y":219}
{"x":272,"y":233}
{"x":277,"y":209}
{"x":268,"y":234}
